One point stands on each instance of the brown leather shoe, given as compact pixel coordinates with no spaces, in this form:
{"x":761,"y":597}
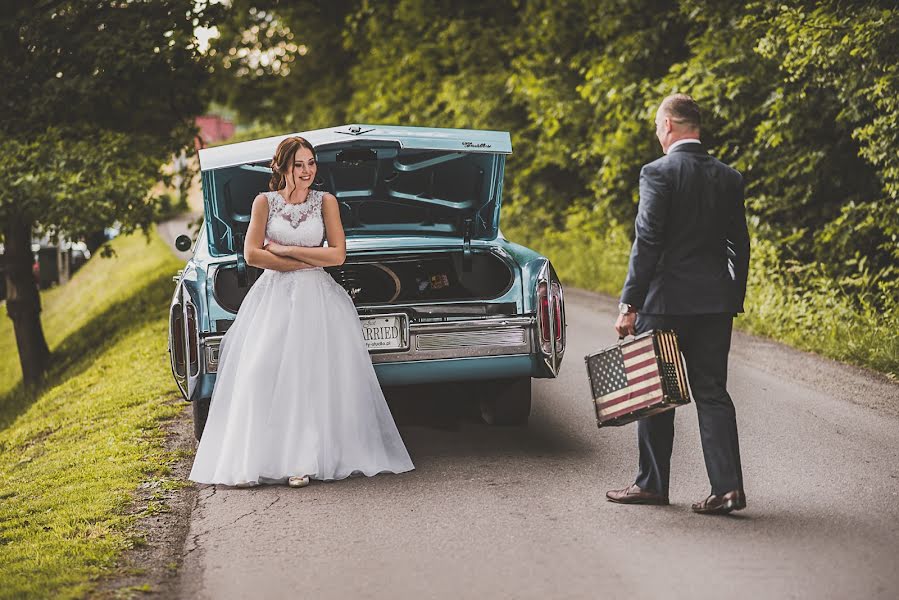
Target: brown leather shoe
{"x":632,"y":494}
{"x":721,"y":505}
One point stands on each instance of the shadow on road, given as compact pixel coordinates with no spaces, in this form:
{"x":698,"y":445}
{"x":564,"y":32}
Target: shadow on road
{"x":445,"y":420}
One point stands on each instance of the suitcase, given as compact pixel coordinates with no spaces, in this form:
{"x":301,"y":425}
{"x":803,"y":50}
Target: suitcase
{"x":637,"y":378}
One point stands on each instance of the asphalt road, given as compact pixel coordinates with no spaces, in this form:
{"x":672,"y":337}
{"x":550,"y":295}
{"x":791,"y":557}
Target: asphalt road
{"x":521,"y":512}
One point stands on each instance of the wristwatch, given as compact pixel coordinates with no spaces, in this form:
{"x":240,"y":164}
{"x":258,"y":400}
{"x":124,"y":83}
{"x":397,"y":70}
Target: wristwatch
{"x":623,"y":308}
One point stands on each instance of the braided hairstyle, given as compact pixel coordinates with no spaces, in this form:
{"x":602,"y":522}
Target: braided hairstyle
{"x":284,"y":157}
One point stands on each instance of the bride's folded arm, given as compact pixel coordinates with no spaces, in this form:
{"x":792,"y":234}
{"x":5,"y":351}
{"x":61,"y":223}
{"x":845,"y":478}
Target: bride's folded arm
{"x":264,"y":259}
{"x":334,"y":254}
{"x":254,"y":252}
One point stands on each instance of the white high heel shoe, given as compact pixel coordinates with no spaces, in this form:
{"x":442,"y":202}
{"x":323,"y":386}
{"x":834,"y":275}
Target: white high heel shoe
{"x":297,"y":482}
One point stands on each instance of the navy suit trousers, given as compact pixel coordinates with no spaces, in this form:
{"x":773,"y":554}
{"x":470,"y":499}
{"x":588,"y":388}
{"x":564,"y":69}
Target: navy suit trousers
{"x":704,"y":341}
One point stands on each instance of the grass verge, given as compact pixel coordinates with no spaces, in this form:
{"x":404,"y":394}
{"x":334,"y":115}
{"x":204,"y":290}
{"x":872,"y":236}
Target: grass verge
{"x":73,"y":453}
{"x":795,"y":305}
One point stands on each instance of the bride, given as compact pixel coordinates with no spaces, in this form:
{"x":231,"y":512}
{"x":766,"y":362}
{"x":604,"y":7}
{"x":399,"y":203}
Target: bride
{"x":296,"y":396}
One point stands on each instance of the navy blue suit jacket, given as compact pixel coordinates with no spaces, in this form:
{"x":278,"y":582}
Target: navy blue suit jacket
{"x":691,"y":252}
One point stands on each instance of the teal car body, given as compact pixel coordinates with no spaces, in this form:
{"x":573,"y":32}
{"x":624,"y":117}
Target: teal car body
{"x":426,"y":263}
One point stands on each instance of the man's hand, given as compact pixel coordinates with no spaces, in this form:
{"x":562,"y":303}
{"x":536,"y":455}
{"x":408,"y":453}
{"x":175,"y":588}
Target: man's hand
{"x":626,"y":324}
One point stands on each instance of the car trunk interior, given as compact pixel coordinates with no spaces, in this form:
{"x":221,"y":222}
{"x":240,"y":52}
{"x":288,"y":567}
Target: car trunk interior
{"x":441,"y":278}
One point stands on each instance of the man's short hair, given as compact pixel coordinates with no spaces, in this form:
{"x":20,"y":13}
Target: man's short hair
{"x":681,"y":108}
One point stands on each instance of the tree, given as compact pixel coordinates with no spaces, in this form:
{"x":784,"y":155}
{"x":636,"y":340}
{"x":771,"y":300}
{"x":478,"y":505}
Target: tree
{"x":96,"y":97}
{"x":799,"y":96}
{"x":285,"y":64}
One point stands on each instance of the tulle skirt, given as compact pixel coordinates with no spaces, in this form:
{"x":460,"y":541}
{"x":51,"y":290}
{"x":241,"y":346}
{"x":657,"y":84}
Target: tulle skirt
{"x":296,"y":392}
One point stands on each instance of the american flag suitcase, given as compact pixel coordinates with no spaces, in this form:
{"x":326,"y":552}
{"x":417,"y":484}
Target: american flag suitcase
{"x":637,"y":378}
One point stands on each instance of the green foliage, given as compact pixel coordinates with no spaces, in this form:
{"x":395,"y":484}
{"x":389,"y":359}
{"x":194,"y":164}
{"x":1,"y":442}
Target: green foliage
{"x":72,"y":454}
{"x":793,"y":302}
{"x":78,"y":186}
{"x":580,"y":257}
{"x":169,"y":206}
{"x":799,"y":303}
{"x":821,"y":130}
{"x":284,"y":63}
{"x":96,"y":97}
{"x":802,"y":97}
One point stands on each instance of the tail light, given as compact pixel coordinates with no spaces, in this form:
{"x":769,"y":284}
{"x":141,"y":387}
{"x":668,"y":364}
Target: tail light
{"x":192,"y":339}
{"x":543,"y":315}
{"x":177,"y":336}
{"x":558,"y":315}
{"x":550,"y":317}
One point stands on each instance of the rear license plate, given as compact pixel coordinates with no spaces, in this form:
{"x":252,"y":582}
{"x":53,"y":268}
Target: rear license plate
{"x":386,"y":332}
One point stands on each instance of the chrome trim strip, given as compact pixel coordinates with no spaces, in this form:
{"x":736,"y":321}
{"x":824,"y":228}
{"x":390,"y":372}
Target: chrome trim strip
{"x":434,"y":341}
{"x":544,"y":277}
{"x":451,"y":353}
{"x":180,"y":379}
{"x":510,"y":336}
{"x":563,"y":342}
{"x":465,"y":339}
{"x":476,"y":324}
{"x":188,"y":305}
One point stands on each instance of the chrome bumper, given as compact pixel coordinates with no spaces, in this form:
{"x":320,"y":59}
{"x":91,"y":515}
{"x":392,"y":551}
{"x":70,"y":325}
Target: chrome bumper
{"x":433,"y":341}
{"x":464,"y":339}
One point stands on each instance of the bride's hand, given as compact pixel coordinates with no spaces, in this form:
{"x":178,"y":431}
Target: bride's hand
{"x":276,"y":248}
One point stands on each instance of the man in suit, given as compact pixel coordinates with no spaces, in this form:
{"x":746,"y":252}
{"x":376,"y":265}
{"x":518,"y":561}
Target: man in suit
{"x":687,"y":272}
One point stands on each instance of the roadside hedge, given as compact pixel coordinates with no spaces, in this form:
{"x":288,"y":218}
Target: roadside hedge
{"x":802,"y":97}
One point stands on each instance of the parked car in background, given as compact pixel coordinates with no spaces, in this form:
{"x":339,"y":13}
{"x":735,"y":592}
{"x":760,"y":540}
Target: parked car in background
{"x":35,"y":271}
{"x":58,"y":260}
{"x":441,"y":294}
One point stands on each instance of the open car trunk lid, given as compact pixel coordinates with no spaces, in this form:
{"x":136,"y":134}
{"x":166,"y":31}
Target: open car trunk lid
{"x":389,"y":182}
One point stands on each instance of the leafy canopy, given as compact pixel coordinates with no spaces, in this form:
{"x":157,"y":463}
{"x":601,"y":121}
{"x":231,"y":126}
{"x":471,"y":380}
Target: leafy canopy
{"x":97,"y":96}
{"x":802,"y":97}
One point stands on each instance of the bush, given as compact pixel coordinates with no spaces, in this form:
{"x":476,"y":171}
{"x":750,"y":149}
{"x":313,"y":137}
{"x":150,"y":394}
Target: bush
{"x":792,"y":302}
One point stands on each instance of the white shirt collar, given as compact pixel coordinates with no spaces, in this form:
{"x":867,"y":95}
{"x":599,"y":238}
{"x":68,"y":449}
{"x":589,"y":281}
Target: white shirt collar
{"x":682,"y":142}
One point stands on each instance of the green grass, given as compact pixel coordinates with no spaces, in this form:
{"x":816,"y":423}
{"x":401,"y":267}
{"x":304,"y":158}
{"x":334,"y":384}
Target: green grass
{"x":800,"y":306}
{"x":795,"y":305}
{"x":581,"y":257}
{"x":73,"y":452}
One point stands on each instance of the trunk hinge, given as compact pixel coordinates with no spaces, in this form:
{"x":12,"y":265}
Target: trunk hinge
{"x":466,"y":246}
{"x":241,"y":262}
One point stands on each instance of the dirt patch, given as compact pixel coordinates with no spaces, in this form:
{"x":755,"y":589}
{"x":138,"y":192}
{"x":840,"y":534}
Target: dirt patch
{"x":151,"y":568}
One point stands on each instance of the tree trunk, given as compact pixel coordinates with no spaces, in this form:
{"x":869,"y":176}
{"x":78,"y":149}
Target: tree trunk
{"x":23,"y":302}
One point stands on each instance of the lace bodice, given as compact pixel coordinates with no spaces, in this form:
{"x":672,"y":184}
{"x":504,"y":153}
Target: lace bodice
{"x":295,"y":224}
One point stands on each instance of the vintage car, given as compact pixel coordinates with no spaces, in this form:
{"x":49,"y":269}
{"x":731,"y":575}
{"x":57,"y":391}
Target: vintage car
{"x":442,"y":296}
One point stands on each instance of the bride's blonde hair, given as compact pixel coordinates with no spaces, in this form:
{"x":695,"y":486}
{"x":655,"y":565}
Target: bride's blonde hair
{"x":284,"y":157}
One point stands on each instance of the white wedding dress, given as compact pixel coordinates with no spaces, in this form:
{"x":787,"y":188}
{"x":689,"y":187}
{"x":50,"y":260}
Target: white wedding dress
{"x":296,"y":393}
